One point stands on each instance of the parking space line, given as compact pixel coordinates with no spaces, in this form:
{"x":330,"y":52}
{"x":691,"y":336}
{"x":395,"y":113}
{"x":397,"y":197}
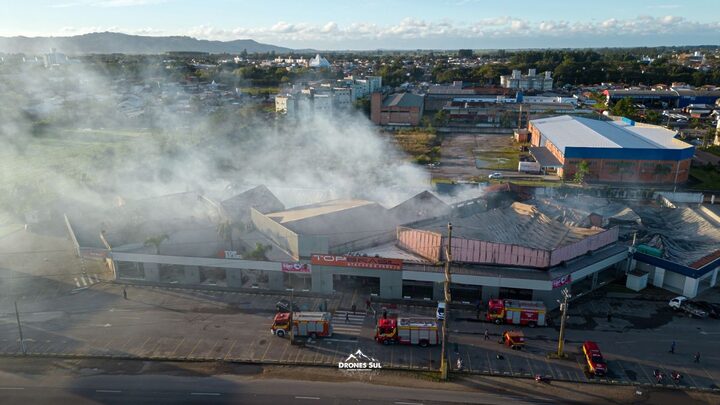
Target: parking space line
{"x":269,"y":343}
{"x":143,"y":345}
{"x":232,"y":346}
{"x":193,"y":349}
{"x":625,"y":371}
{"x":212,"y":349}
{"x":467,"y":353}
{"x":650,"y":380}
{"x":708,"y":374}
{"x":549,"y":366}
{"x":686,"y":373}
{"x":489,"y":362}
{"x":509,"y":364}
{"x":532,"y":372}
{"x":157,"y":346}
{"x":282,"y":356}
{"x":177,"y":347}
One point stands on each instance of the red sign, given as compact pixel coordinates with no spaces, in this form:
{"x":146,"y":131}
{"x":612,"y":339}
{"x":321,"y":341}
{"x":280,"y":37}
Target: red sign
{"x":561,"y":281}
{"x":295,"y":268}
{"x":364,"y":262}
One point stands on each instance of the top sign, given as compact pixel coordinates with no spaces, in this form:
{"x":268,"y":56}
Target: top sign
{"x":364,"y":262}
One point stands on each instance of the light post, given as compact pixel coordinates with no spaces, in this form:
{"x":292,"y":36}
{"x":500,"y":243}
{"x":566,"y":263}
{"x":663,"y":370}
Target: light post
{"x":563,"y":316}
{"x":444,"y":361}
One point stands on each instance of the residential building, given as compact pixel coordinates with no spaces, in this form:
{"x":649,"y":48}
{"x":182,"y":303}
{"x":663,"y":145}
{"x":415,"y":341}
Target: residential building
{"x":319,"y":62}
{"x":531,"y":81}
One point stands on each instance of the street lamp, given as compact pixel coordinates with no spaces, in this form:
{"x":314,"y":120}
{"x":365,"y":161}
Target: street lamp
{"x":563,"y":316}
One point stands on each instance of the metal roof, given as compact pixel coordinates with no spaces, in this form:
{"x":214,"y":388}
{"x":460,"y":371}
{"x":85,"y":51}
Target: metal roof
{"x":576,"y":132}
{"x":403,"y":100}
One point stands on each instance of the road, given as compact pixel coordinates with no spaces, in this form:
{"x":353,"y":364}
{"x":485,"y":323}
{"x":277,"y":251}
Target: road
{"x":226,"y":389}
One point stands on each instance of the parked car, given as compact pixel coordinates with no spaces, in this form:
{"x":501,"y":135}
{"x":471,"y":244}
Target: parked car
{"x":495,"y":175}
{"x":284,"y":306}
{"x":712,"y":309}
{"x":440,"y":313}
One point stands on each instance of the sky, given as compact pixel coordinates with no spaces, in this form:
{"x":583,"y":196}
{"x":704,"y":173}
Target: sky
{"x":386,"y":24}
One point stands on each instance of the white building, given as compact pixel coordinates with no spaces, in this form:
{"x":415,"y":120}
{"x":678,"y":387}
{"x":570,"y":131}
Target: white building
{"x":531,"y":81}
{"x":319,"y":62}
{"x":285,"y":104}
{"x":54,"y":58}
{"x":342,"y":97}
{"x":322,"y":103}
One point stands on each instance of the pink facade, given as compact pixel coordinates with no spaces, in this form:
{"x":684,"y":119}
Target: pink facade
{"x":583,"y":246}
{"x":423,"y":243}
{"x":427,"y":244}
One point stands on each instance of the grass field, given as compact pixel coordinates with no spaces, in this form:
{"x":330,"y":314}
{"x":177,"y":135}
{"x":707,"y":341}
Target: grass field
{"x":423,"y":146}
{"x":708,"y":179}
{"x":497,"y":160}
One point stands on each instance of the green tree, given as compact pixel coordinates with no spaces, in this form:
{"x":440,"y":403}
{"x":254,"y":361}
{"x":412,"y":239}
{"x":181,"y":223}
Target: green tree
{"x":259,"y":253}
{"x":624,"y":108}
{"x":156,"y":241}
{"x":583,"y":169}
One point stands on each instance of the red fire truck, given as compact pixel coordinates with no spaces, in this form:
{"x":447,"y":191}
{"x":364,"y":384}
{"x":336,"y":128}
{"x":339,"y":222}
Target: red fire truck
{"x":516,"y":312}
{"x":407,"y":331}
{"x":312,"y":324}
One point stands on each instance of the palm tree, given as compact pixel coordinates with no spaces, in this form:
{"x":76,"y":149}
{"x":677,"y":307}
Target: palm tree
{"x":583,"y":169}
{"x":225,"y":230}
{"x":156,"y":241}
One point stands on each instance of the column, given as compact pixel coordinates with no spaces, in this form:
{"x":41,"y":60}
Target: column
{"x":234,"y":278}
{"x":691,"y":287}
{"x":439,"y":291}
{"x":391,"y":285}
{"x":659,"y":277}
{"x":275,"y":280}
{"x":152,"y":272}
{"x":192,"y":275}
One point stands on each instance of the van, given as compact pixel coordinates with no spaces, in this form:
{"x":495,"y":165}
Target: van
{"x":440,"y":313}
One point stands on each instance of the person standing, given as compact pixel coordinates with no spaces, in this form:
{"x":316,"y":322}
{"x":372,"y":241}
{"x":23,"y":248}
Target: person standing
{"x":347,"y":317}
{"x":487,"y":335}
{"x":354,"y":307}
{"x":697,"y":357}
{"x":125,"y":293}
{"x":672,"y":347}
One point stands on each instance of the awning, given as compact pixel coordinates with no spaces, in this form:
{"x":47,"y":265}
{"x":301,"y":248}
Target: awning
{"x":545,"y":157}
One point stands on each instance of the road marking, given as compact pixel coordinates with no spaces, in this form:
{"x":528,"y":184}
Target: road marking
{"x":341,"y":340}
{"x":205,"y":393}
{"x":143,"y":345}
{"x":194,"y":347}
{"x":230,"y":350}
{"x":409,"y":403}
{"x":12,"y":388}
{"x":177,"y":347}
{"x":84,"y":282}
{"x":269,"y":343}
{"x":313,"y":398}
{"x":112,"y":391}
{"x":77,"y":282}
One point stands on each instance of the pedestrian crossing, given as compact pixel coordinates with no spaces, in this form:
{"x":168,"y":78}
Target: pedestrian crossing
{"x":86,"y":280}
{"x":345,"y":323}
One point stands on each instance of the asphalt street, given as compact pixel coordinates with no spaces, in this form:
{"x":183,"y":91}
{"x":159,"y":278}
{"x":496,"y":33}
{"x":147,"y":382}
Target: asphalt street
{"x":233,"y":326}
{"x":154,"y":389}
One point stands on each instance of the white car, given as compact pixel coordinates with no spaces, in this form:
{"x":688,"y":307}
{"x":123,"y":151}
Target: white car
{"x":495,"y":175}
{"x":440,"y":313}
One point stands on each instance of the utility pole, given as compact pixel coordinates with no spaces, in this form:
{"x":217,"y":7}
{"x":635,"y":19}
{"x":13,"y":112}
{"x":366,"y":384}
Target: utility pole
{"x":563,"y":316}
{"x":22,"y":341}
{"x":444,"y":361}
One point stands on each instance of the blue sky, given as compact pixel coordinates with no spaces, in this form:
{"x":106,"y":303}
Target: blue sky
{"x":373,"y":24}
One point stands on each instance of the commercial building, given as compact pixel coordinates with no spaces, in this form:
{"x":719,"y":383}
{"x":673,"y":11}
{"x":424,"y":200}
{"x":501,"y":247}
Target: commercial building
{"x":400,"y":109}
{"x":615,"y":151}
{"x":675,"y":97}
{"x":319,"y":62}
{"x":531,"y":81}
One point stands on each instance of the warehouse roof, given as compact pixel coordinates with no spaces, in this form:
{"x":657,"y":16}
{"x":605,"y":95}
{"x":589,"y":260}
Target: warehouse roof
{"x":403,"y":100}
{"x":566,"y":131}
{"x":315,"y":210}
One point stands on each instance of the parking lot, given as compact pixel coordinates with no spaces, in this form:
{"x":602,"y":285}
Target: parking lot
{"x":184,"y":324}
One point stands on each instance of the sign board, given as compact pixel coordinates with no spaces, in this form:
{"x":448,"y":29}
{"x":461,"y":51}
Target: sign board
{"x":296,"y":268}
{"x":363,"y":262}
{"x":232,"y":254}
{"x":561,"y":281}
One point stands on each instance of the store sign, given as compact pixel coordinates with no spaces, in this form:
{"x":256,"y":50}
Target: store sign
{"x":296,"y":268}
{"x":232,"y":254}
{"x":364,"y":262}
{"x":559,"y":282}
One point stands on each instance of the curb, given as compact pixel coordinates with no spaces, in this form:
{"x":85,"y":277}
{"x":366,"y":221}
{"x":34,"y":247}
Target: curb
{"x":506,"y":374}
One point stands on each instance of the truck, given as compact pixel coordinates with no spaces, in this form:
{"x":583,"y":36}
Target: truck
{"x":302,"y":324}
{"x":683,"y":304}
{"x":596,"y":364}
{"x":513,"y":339}
{"x":516,"y":312}
{"x":529,"y":167}
{"x":407,"y":331}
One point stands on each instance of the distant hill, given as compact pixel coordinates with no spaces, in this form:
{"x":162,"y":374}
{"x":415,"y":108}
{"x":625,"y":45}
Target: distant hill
{"x":113,"y":42}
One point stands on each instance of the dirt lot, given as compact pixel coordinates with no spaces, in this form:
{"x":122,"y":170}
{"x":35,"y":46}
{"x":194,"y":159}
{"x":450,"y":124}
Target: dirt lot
{"x":459,"y":152}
